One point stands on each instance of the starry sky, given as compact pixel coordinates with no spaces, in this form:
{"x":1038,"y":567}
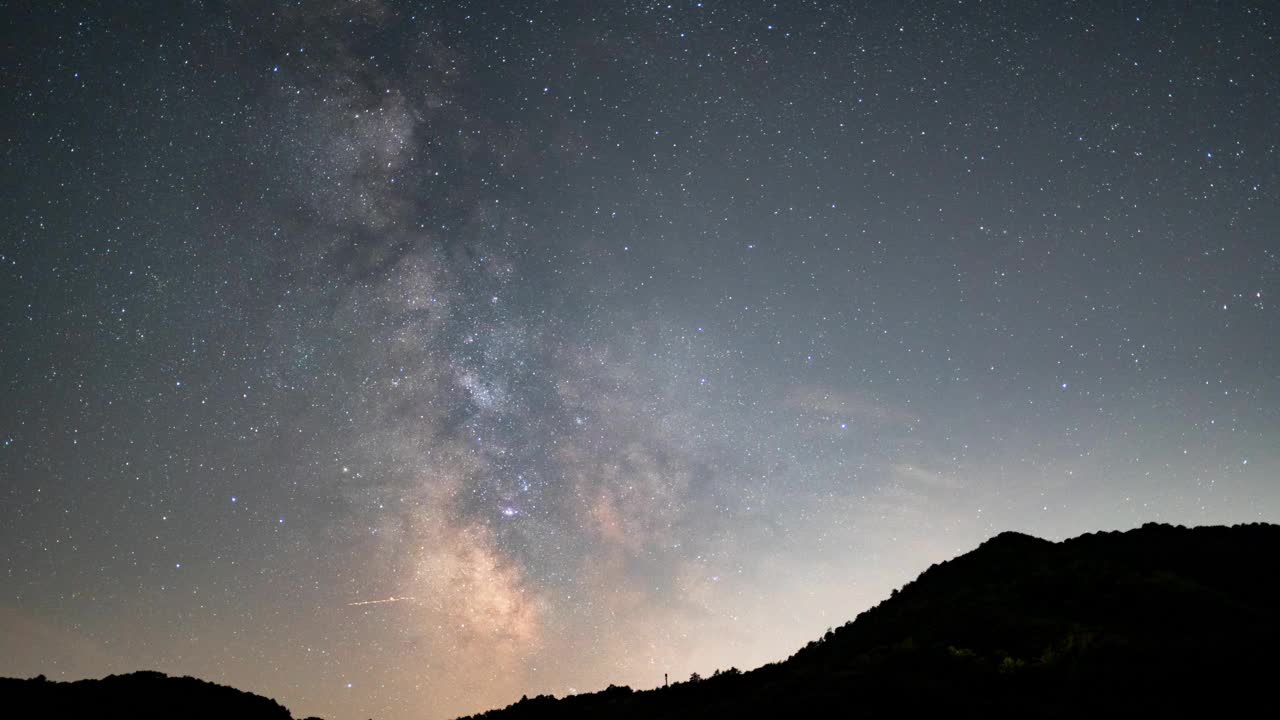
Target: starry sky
{"x":399,"y":359}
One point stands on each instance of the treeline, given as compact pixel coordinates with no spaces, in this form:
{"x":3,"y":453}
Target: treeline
{"x":1163,"y":619}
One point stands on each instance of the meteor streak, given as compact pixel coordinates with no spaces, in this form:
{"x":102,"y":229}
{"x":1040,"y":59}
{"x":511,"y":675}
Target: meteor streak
{"x":379,"y":602}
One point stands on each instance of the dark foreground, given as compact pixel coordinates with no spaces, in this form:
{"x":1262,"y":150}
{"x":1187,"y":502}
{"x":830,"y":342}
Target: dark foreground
{"x":140,"y":695}
{"x":1160,"y":621}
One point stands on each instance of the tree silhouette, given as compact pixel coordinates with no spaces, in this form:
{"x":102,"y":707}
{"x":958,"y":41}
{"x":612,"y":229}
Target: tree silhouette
{"x":1157,"y":621}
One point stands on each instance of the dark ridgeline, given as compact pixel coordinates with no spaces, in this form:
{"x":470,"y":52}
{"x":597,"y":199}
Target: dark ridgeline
{"x":142,"y":695}
{"x":1159,"y":621}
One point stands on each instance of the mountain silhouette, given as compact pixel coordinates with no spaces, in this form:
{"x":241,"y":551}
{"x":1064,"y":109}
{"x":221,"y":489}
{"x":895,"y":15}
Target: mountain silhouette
{"x":1159,"y":620}
{"x":144,"y":695}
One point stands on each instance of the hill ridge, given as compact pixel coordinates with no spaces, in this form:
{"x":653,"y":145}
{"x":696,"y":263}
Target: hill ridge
{"x":1011,"y":626}
{"x":141,"y":694}
{"x":1158,"y":619}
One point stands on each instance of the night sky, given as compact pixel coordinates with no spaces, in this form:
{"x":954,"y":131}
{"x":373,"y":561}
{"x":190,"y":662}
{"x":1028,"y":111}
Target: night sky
{"x":397,"y":360}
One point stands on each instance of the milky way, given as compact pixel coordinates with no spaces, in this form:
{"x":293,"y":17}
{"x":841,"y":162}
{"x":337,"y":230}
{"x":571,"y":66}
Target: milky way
{"x":398,"y":360}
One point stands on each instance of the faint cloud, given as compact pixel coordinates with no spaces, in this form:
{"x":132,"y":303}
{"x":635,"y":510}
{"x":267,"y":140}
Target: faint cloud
{"x":920,"y":477}
{"x":837,"y":407}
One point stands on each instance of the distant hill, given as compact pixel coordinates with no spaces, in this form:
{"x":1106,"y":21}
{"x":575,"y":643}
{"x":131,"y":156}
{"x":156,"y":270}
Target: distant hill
{"x":1159,"y":621}
{"x":138,"y":696}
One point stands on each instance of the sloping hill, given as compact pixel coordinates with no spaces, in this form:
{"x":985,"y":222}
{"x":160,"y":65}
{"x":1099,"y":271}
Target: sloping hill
{"x":1162,"y":619}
